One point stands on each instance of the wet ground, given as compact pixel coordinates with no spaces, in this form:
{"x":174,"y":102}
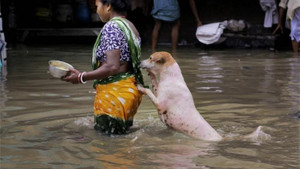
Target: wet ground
{"x":47,"y":123}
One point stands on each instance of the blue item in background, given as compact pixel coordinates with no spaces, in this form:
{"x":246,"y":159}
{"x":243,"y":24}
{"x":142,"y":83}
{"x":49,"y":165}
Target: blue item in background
{"x":83,"y":13}
{"x":166,"y":10}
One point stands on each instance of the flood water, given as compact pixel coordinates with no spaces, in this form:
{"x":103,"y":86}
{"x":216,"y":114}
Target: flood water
{"x":47,"y":123}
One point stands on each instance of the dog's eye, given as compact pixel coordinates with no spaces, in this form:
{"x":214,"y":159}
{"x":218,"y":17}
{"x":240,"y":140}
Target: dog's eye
{"x":150,"y":58}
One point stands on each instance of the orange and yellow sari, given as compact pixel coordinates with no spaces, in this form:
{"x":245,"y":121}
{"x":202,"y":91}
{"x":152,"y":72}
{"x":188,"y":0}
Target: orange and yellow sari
{"x":115,"y":105}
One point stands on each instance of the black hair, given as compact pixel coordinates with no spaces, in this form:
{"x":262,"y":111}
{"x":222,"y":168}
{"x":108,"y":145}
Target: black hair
{"x":118,"y":5}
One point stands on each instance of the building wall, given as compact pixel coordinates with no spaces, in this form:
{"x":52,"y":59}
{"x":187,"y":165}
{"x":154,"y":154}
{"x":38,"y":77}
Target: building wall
{"x":209,"y":11}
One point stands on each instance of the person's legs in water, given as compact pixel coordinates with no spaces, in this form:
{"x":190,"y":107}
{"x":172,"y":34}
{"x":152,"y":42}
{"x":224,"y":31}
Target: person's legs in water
{"x":295,"y":46}
{"x":155,"y":33}
{"x":175,"y":34}
{"x":295,"y":30}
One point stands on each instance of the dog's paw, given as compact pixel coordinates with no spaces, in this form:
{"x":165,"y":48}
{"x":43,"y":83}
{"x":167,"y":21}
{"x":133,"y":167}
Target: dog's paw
{"x":141,"y":88}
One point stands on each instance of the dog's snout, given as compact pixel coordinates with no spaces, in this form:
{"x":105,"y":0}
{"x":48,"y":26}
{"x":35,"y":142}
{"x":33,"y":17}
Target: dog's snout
{"x":143,"y":64}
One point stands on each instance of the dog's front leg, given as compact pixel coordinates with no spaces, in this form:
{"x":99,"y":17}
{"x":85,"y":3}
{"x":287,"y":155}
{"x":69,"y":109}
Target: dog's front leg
{"x":149,"y":93}
{"x":161,"y":109}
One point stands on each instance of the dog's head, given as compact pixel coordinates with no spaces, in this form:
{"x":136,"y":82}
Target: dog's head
{"x":157,"y":61}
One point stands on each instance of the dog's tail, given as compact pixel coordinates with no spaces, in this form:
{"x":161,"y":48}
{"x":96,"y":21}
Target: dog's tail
{"x":258,"y":135}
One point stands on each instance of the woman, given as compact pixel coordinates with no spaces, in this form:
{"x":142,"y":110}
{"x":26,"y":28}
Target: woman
{"x":115,"y":62}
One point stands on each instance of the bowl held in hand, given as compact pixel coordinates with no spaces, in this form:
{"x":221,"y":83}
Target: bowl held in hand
{"x":59,"y":69}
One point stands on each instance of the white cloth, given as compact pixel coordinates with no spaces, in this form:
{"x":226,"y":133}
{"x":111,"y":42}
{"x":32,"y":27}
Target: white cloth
{"x":271,"y":14}
{"x":236,"y":25}
{"x":3,"y":54}
{"x":291,"y":6}
{"x":210,"y":33}
{"x":295,"y":26}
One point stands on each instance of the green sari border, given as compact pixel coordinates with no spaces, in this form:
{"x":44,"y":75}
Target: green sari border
{"x":114,"y":78}
{"x":111,"y":125}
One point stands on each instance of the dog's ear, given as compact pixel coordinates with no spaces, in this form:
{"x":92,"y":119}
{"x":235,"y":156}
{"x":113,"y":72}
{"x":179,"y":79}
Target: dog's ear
{"x":161,"y":60}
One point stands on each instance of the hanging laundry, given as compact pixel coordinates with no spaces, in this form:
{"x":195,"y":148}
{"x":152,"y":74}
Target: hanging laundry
{"x":271,"y":13}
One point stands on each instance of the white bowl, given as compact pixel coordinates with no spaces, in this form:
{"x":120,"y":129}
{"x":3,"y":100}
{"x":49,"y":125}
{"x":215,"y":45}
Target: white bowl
{"x":59,"y":68}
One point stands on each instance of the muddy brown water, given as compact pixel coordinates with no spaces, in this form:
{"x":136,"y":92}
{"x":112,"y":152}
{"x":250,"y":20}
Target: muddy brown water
{"x":47,"y":123}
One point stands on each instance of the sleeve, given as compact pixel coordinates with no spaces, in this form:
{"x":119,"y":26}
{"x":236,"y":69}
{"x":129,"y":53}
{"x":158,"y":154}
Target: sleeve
{"x":111,"y":37}
{"x":283,"y":4}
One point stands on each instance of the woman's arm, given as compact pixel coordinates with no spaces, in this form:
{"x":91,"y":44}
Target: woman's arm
{"x":110,"y":67}
{"x":195,"y":12}
{"x":279,"y":25}
{"x":282,"y":7}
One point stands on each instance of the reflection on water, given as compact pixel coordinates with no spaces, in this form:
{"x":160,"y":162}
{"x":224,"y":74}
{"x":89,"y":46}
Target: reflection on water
{"x":47,"y":123}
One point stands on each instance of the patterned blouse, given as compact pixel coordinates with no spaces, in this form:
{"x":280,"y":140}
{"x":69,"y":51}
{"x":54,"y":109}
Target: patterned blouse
{"x":113,"y":38}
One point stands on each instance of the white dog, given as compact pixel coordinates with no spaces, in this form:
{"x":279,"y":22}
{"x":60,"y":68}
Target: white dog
{"x":173,"y":99}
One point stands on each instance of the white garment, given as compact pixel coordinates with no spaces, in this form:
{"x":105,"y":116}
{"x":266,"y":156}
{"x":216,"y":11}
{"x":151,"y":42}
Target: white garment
{"x":3,"y":54}
{"x":210,"y":33}
{"x":236,"y":25}
{"x":271,"y":14}
{"x":291,"y":6}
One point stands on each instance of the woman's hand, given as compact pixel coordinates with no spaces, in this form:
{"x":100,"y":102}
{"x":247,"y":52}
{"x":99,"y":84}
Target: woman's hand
{"x":73,"y":77}
{"x":199,"y":23}
{"x":279,"y":27}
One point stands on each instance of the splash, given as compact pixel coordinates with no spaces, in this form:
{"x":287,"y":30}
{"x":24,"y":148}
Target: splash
{"x":85,"y":122}
{"x":258,"y":136}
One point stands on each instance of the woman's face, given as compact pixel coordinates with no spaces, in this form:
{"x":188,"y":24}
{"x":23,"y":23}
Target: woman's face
{"x":103,"y":11}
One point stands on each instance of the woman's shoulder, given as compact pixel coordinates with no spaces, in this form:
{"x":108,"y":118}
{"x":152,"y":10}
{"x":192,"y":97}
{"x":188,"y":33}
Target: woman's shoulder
{"x":111,"y":27}
{"x":132,"y":26}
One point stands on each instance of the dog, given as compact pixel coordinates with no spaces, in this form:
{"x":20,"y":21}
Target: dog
{"x":173,"y":99}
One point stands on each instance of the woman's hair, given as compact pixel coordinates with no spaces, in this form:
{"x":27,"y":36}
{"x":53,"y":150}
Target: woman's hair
{"x":118,"y":5}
